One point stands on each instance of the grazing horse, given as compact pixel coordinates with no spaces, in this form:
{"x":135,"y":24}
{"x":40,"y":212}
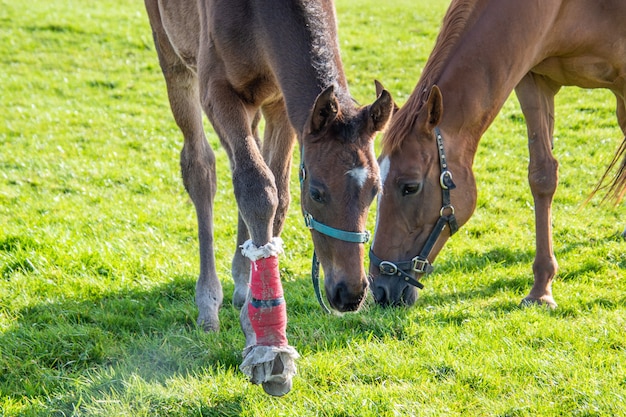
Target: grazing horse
{"x":238,"y":61}
{"x":485,"y":50}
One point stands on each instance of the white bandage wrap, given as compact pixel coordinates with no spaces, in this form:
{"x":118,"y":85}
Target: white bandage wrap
{"x":258,"y":363}
{"x":273,"y":248}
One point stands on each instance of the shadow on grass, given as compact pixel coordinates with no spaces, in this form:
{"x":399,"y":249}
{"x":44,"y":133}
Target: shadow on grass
{"x":472,"y":262}
{"x":151,"y":334}
{"x":61,"y":351}
{"x":57,"y":354}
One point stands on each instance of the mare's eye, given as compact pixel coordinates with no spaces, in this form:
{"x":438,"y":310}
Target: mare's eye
{"x":317,"y":195}
{"x":411,"y":188}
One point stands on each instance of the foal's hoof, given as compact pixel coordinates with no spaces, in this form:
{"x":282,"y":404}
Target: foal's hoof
{"x":239,"y":297}
{"x":209,"y":325}
{"x":546,"y":301}
{"x":277,"y":389}
{"x":280,"y":385}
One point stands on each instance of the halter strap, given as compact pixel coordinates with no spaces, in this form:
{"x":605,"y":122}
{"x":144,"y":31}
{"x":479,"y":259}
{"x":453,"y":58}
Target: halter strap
{"x":354,"y":237}
{"x":420,"y":263}
{"x":312,"y":224}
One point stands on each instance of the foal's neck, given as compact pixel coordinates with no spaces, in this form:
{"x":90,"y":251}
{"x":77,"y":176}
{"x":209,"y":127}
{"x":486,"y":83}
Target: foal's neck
{"x":301,"y":39}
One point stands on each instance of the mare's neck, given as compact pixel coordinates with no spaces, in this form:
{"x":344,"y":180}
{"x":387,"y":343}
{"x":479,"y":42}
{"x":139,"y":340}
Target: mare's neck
{"x":489,"y":61}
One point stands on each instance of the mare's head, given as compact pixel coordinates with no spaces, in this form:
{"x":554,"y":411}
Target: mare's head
{"x":339,"y":180}
{"x":413,"y":203}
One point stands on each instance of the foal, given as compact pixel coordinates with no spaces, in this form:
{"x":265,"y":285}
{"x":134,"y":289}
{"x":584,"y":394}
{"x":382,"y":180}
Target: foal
{"x":238,"y":61}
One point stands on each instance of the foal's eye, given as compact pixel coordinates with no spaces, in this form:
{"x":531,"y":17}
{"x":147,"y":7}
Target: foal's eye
{"x":411,"y":188}
{"x":375,"y":191}
{"x":317,"y":195}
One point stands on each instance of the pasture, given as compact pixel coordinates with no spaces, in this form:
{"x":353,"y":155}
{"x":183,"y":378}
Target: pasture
{"x":99,"y":256}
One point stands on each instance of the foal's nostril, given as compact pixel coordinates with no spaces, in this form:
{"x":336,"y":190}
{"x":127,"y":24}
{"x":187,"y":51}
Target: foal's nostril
{"x":343,"y":300}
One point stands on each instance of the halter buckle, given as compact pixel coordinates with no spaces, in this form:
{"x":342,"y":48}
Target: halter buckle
{"x":388,"y":268}
{"x":302,"y":173}
{"x":308,"y":220}
{"x":421,"y":266}
{"x":445,"y":180}
{"x":447,"y":207}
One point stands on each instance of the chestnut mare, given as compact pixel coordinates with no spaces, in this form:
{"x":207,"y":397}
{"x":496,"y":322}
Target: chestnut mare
{"x":238,"y":61}
{"x":485,"y":50}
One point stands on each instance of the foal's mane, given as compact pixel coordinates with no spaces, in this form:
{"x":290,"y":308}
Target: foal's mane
{"x":320,"y":20}
{"x":454,"y":24}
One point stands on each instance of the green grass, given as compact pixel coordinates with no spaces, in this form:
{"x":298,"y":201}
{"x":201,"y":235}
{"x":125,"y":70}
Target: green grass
{"x":98,"y":251}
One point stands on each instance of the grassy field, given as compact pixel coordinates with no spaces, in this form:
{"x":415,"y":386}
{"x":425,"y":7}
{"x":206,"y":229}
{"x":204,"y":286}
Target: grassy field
{"x":98,"y":250}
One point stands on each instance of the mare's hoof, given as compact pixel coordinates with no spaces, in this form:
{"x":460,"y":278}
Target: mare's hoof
{"x":543,"y":301}
{"x":277,"y":389}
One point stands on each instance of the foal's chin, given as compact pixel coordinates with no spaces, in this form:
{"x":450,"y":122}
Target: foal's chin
{"x":392,"y":292}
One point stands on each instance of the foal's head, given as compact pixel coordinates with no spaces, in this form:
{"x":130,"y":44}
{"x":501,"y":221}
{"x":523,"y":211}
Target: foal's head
{"x":339,"y":180}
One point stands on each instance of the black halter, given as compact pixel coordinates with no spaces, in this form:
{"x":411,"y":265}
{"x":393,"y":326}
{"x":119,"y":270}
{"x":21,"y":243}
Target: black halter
{"x":420,"y":263}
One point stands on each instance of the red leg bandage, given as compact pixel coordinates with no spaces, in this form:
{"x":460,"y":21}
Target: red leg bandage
{"x":267,"y":310}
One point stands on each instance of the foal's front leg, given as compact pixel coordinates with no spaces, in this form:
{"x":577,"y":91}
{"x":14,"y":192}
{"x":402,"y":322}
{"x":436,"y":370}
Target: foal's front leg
{"x":277,"y":147}
{"x":536,"y":96}
{"x":197,"y":163}
{"x":240,"y":265}
{"x":268,"y":358}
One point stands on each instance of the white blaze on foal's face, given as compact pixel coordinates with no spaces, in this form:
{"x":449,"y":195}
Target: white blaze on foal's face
{"x":359,"y":174}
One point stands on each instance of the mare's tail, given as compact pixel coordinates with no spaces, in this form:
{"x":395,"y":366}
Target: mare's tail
{"x":616,"y":188}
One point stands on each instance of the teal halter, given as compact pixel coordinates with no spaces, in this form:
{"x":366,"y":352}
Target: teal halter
{"x":312,"y":224}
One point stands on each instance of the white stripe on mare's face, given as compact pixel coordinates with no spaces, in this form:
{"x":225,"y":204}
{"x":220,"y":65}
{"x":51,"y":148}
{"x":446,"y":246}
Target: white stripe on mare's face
{"x":359,"y":174}
{"x":384,"y":171}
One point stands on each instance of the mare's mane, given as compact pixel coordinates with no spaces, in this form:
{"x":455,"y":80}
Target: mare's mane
{"x":455,"y":22}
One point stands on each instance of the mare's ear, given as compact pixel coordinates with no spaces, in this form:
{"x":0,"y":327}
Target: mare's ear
{"x":324,"y":111}
{"x":381,"y":110}
{"x":434,"y":107}
{"x":380,"y":89}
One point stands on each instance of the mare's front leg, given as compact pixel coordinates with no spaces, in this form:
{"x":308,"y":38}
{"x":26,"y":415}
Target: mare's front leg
{"x":197,"y":162}
{"x":536,"y":97}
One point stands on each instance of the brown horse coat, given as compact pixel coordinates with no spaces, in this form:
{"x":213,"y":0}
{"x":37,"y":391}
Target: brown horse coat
{"x":485,"y":50}
{"x":238,"y":60}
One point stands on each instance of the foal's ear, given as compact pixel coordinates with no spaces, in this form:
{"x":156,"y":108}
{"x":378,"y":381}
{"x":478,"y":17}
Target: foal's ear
{"x":325,"y":110}
{"x":434,"y":107}
{"x":381,"y":110}
{"x":379,"y":90}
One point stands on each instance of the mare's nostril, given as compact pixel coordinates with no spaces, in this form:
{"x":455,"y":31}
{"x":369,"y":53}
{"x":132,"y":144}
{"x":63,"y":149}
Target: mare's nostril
{"x":409,"y":296}
{"x":380,"y":294}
